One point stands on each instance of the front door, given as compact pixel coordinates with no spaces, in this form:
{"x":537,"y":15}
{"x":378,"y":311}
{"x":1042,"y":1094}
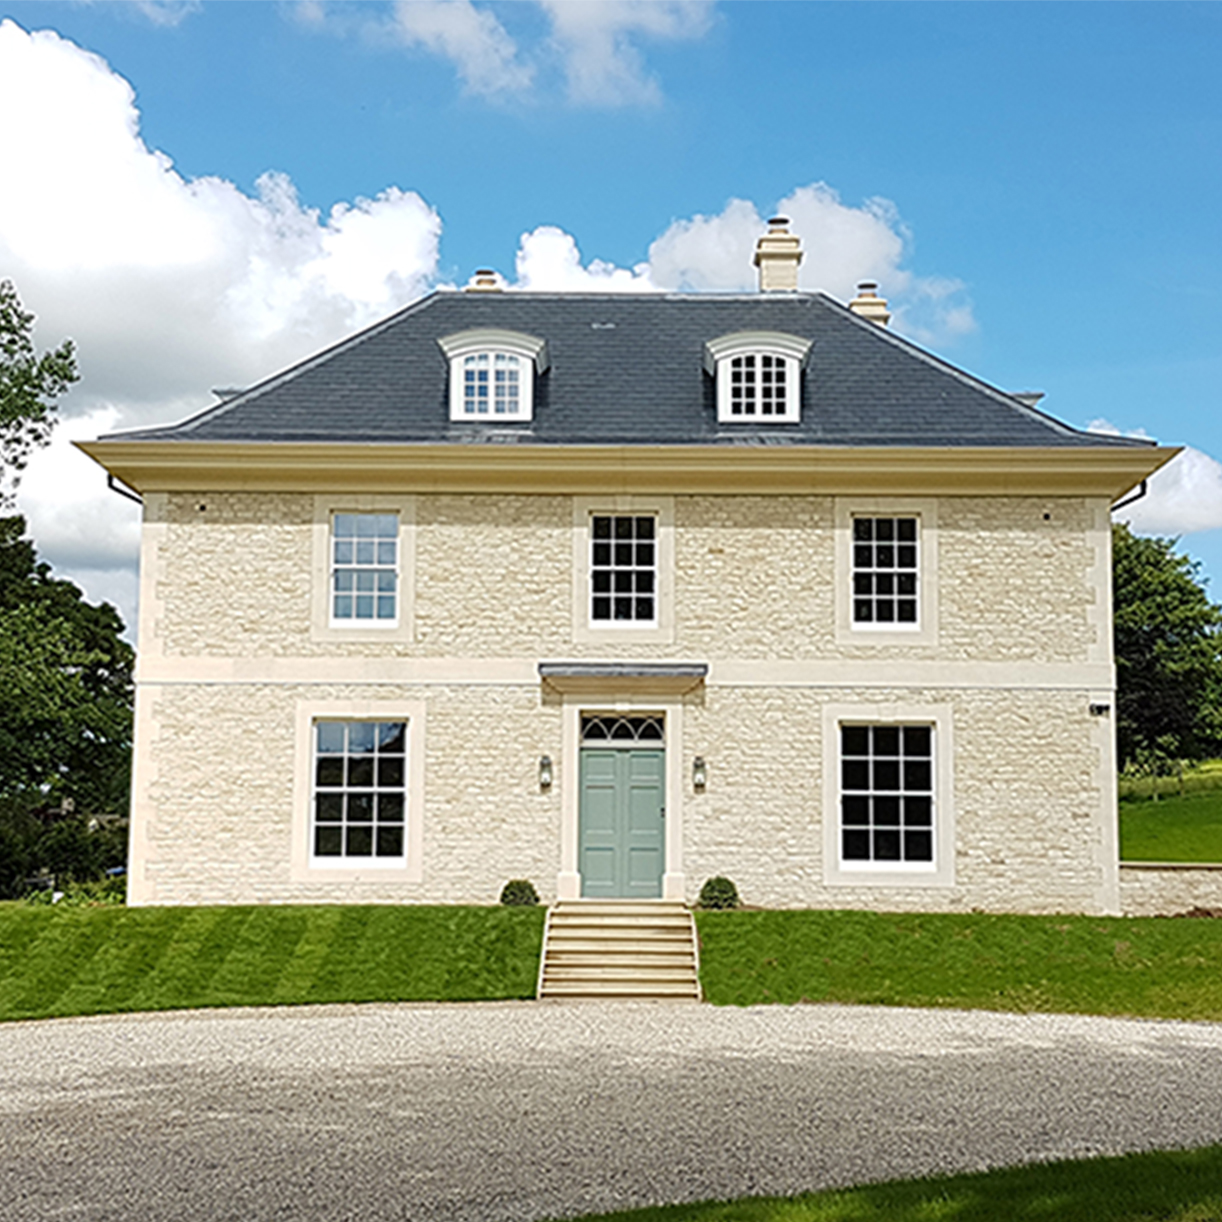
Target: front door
{"x":622,"y":815}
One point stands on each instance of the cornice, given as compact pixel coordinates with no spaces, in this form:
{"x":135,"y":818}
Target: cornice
{"x":167,"y":466}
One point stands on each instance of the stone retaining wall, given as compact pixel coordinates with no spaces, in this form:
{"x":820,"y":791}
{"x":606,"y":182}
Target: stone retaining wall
{"x":1166,"y":888}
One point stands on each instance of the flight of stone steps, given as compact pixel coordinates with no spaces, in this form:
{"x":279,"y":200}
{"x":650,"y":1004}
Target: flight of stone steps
{"x":631,"y":950}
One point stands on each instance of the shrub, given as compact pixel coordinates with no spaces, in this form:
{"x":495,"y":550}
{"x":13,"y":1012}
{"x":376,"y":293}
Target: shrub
{"x":519,"y":893}
{"x":719,"y":892}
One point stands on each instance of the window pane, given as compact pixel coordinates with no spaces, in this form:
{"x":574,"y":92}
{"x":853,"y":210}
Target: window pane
{"x":918,"y":812}
{"x":886,"y":740}
{"x":359,"y":841}
{"x":886,"y":774}
{"x":390,"y":771}
{"x":330,"y":735}
{"x":863,"y":529}
{"x":328,"y":841}
{"x":855,"y":774}
{"x":390,"y":841}
{"x":360,"y":808}
{"x":391,"y":737}
{"x":329,"y":807}
{"x":360,"y":771}
{"x":390,"y":808}
{"x":361,"y":736}
{"x":344,"y":525}
{"x":330,"y":771}
{"x":856,"y":845}
{"x":887,"y":812}
{"x":916,"y":774}
{"x":855,"y":811}
{"x":917,"y":740}
{"x":855,"y":740}
{"x":918,"y":846}
{"x":886,"y":845}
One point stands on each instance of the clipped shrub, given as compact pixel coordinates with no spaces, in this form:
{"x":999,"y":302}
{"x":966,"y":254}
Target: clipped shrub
{"x":519,"y":893}
{"x":719,"y":892}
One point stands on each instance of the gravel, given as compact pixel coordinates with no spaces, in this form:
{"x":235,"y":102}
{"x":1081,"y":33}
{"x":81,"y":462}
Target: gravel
{"x":523,"y":1111}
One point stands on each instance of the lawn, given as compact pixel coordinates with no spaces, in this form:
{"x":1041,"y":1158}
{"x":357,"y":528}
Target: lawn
{"x":1173,"y":828}
{"x":1157,"y":967}
{"x":64,"y":961}
{"x":1172,"y":1186}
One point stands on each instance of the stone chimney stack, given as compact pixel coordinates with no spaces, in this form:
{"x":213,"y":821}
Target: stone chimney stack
{"x":868,"y":304}
{"x":777,"y":255}
{"x":484,"y":281}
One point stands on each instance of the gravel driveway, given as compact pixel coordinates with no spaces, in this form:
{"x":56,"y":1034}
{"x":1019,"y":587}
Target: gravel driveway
{"x":525,"y":1111}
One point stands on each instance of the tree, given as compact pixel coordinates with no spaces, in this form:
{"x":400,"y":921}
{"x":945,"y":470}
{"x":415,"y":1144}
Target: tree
{"x":1168,"y":645}
{"x":29,"y":386}
{"x":65,"y":687}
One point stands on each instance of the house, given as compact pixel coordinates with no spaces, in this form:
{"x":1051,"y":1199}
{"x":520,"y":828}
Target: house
{"x":618,"y":593}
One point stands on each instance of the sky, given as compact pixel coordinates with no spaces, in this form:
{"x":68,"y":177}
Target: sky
{"x":200,"y":193}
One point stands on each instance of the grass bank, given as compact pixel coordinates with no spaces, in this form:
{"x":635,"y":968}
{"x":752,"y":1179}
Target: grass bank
{"x":1174,"y":1186}
{"x":1173,"y":828}
{"x":58,"y":962}
{"x":1152,"y":967}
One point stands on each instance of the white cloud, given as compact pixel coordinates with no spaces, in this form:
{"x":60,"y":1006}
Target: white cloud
{"x":597,"y":44}
{"x":169,"y":286}
{"x":594,"y":44}
{"x":843,"y":245}
{"x":548,"y":261}
{"x":1182,"y":498}
{"x":484,"y":55}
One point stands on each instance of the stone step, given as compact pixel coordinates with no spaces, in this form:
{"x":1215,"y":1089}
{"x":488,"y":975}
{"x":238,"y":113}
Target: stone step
{"x":626,"y":949}
{"x":587,"y":990}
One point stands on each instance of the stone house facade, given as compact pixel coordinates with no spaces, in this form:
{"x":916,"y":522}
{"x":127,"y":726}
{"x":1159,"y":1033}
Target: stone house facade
{"x":620,"y":593}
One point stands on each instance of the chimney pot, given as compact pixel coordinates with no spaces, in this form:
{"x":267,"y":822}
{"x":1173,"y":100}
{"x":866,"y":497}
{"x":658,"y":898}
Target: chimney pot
{"x":484,"y":281}
{"x":868,"y":304}
{"x":777,"y":255}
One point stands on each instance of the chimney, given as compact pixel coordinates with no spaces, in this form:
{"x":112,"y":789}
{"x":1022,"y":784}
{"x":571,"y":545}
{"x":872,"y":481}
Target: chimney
{"x":868,"y":304}
{"x":777,"y":255}
{"x":485,"y":280}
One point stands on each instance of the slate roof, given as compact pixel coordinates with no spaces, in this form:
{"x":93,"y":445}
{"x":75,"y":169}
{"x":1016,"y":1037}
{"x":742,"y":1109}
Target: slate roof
{"x":627,"y":369}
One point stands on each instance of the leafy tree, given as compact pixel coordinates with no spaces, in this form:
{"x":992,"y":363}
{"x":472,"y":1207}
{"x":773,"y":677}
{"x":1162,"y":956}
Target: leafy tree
{"x":1168,"y":644}
{"x":65,"y":687}
{"x":29,"y":386}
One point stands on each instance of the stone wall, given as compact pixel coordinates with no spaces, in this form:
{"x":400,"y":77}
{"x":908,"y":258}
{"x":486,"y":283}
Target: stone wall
{"x":1153,"y":889}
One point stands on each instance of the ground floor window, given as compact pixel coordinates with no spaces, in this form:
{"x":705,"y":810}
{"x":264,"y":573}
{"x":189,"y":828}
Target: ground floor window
{"x":886,"y":794}
{"x":360,"y":790}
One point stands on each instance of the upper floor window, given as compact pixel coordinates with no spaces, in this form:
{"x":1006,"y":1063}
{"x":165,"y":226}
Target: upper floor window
{"x":365,"y":568}
{"x":759,"y":376}
{"x":492,"y":374}
{"x":491,"y":384}
{"x":885,"y":572}
{"x":623,"y":569}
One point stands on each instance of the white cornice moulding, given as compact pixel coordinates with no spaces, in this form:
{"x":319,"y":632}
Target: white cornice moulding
{"x":779,"y":342}
{"x":490,"y":339}
{"x":169,"y":466}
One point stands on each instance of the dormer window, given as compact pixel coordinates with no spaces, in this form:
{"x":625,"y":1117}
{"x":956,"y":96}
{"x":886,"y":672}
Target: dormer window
{"x":492,"y":374}
{"x":759,"y":376}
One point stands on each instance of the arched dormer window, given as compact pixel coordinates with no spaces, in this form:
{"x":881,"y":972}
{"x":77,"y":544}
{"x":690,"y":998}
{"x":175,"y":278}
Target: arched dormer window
{"x":492,"y":373}
{"x":759,"y":376}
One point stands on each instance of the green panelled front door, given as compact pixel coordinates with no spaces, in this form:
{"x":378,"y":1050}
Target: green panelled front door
{"x":622,"y":837}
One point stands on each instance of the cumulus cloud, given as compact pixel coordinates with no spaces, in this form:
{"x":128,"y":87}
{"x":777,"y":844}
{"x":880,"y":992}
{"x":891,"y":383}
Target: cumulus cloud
{"x":1183,"y":497}
{"x":843,"y":245}
{"x":471,"y":38}
{"x":594,"y":45}
{"x":597,"y":44}
{"x":169,"y":286}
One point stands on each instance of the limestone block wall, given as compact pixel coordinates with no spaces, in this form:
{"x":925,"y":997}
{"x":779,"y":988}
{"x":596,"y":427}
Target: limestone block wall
{"x":218,"y":805}
{"x":232,"y":574}
{"x":1165,"y":890}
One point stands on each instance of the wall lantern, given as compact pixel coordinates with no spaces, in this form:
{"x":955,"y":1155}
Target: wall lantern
{"x":700,"y":773}
{"x":545,"y":772}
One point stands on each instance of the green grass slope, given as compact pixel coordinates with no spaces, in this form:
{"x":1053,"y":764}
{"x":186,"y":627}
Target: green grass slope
{"x":1173,"y":1186}
{"x":1173,"y":828}
{"x":1155,"y":967}
{"x":56,"y":962}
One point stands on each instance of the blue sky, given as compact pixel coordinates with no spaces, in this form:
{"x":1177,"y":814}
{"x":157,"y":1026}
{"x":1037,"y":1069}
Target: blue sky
{"x":1035,"y":186}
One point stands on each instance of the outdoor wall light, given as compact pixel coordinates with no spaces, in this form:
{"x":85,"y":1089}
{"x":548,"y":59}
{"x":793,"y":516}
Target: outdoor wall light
{"x":545,"y":772}
{"x":700,"y":773}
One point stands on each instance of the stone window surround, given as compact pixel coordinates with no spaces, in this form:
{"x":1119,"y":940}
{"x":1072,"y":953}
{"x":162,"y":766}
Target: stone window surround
{"x":890,"y":874}
{"x":302,"y":866}
{"x":585,"y":629}
{"x":532,"y":355}
{"x":925,"y":510}
{"x":322,"y":626}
